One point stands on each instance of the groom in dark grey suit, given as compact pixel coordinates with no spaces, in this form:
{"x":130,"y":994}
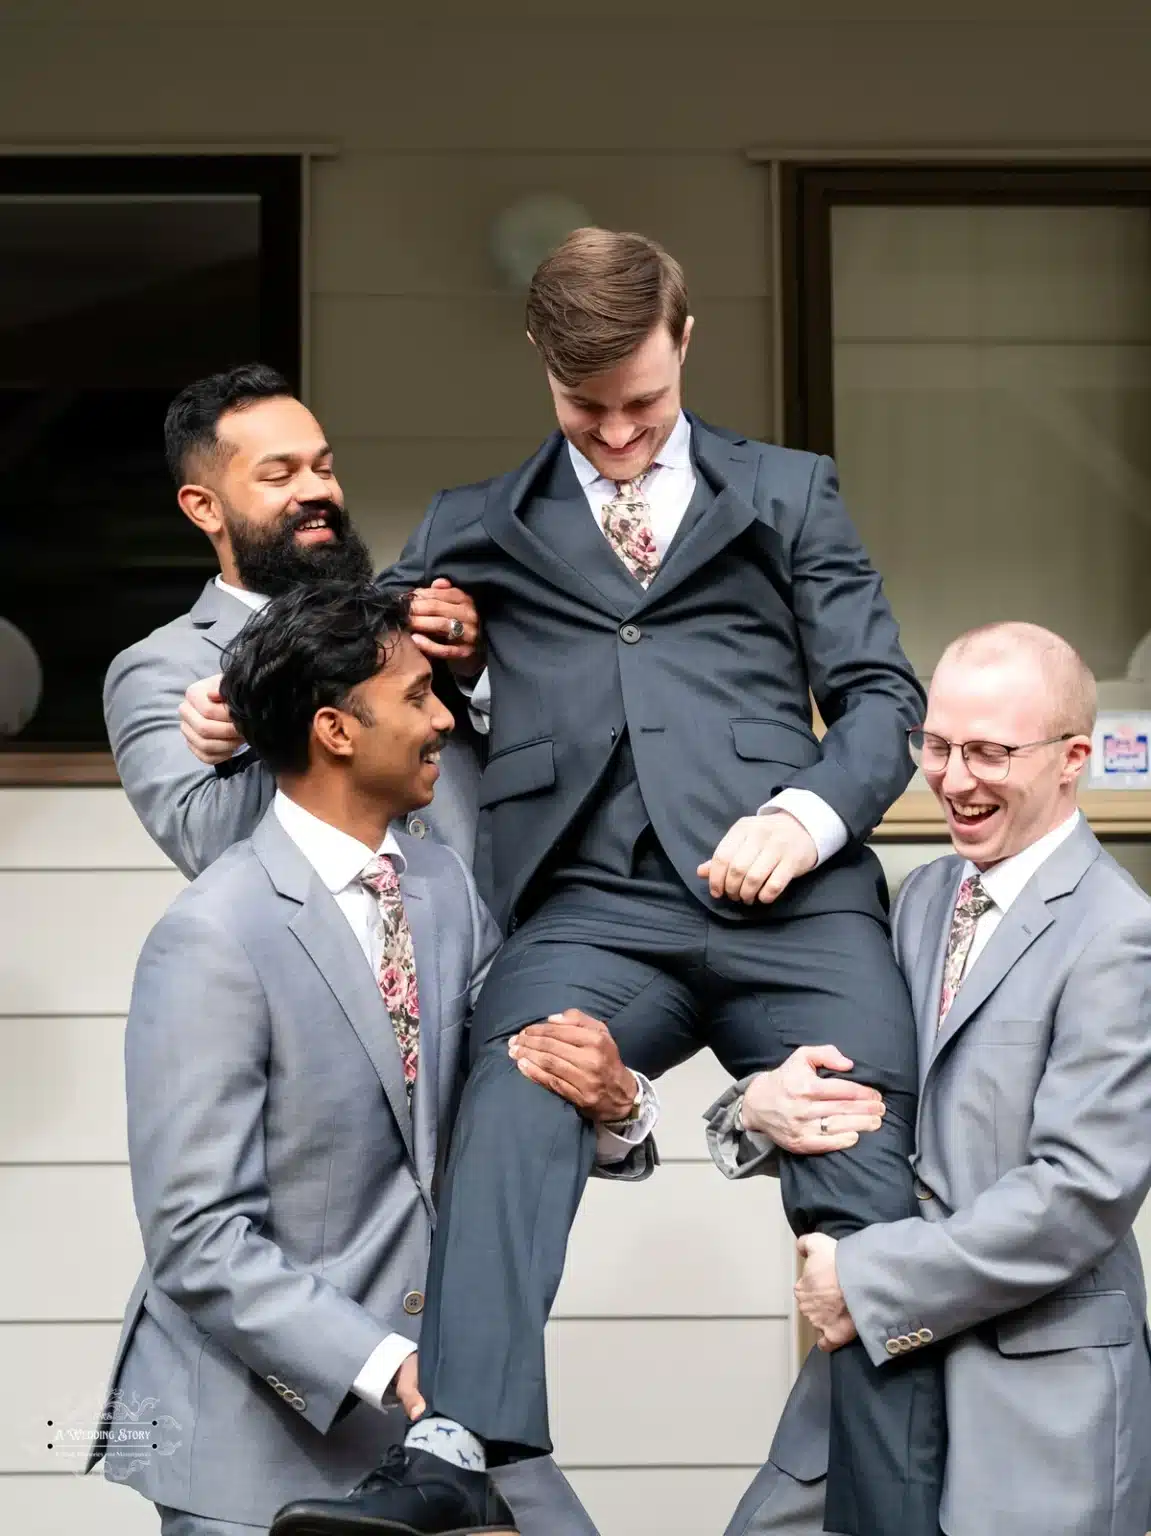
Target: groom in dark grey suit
{"x":670,"y":848}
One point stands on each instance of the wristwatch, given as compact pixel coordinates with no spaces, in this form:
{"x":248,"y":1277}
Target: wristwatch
{"x":737,"y":1122}
{"x":633,"y":1114}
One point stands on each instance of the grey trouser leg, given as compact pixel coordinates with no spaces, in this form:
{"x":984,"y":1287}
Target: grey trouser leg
{"x":777,"y":1504}
{"x":178,"y":1522}
{"x":542,"y":1500}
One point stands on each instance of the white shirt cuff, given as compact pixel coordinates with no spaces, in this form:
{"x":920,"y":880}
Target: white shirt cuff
{"x":374,"y":1383}
{"x":614,"y":1144}
{"x":479,"y":696}
{"x":825,"y":827}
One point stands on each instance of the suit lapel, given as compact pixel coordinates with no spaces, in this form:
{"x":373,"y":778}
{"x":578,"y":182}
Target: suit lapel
{"x":219,"y":616}
{"x":729,"y":469}
{"x":1028,"y":916}
{"x":426,"y":1099}
{"x":321,"y":928}
{"x":1021,"y":925}
{"x":927,"y":973}
{"x":505,"y":525}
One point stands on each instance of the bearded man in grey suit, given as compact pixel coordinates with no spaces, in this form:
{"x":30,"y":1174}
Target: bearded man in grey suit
{"x":1028,"y":955}
{"x":254,"y":472}
{"x":295,"y":1045}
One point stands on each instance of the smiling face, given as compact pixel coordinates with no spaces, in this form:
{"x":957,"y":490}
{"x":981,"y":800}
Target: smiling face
{"x":396,"y":732}
{"x":619,"y":420}
{"x":269,"y":500}
{"x":1007,"y":699}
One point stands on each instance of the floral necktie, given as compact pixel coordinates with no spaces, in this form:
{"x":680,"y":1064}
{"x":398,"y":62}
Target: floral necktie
{"x":397,"y":977}
{"x":626,"y":521}
{"x":973,"y":902}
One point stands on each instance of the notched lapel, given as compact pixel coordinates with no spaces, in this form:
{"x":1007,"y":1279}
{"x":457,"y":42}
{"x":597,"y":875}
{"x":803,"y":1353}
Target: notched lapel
{"x":219,"y":616}
{"x":501,"y":518}
{"x":927,"y":969}
{"x":421,"y":917}
{"x":321,"y":929}
{"x":1022,"y":923}
{"x":731,"y":467}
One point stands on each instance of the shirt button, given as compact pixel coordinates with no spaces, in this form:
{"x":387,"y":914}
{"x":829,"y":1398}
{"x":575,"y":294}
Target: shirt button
{"x":416,"y":827}
{"x":414,"y":1303}
{"x":629,"y":633}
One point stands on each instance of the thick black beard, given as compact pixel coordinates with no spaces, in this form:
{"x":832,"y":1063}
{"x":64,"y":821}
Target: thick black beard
{"x":271,"y":563}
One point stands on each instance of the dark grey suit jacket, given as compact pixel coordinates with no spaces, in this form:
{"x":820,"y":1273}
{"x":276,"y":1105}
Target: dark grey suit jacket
{"x":764,"y":594}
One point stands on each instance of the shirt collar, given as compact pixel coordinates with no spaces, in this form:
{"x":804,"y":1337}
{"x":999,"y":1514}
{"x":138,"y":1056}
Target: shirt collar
{"x":1003,"y":882}
{"x":336,"y":857}
{"x":675,"y":454}
{"x":253,"y":600}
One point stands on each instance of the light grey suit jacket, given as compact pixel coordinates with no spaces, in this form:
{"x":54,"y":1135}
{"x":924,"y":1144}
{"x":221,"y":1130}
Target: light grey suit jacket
{"x":1033,"y":1156}
{"x":285,"y":1193}
{"x":194,"y":812}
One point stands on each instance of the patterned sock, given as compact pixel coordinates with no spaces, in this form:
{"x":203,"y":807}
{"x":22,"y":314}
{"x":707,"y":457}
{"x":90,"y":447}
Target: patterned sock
{"x":449,"y":1441}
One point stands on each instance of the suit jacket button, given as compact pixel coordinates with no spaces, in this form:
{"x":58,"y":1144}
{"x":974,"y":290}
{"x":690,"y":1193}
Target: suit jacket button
{"x":892,"y":1346}
{"x":925,"y":1336}
{"x":414,"y":1303}
{"x":416,"y":827}
{"x":922,"y":1192}
{"x":629,"y":633}
{"x":904,"y":1343}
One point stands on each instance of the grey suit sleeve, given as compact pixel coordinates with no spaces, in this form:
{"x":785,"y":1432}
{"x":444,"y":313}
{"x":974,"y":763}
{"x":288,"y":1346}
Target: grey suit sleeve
{"x":737,"y":1152}
{"x":190,"y":810}
{"x":197,"y":1045}
{"x":1088,"y":1171}
{"x":864,"y":685}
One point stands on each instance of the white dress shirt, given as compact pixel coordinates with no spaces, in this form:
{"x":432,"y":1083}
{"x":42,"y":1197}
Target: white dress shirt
{"x":1004,"y":881}
{"x":668,"y":490}
{"x":338,"y":859}
{"x":253,"y":600}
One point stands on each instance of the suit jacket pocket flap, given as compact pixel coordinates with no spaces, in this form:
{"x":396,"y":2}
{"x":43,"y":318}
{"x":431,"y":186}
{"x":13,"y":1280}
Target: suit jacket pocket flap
{"x":770,"y":741}
{"x":1084,"y":1321}
{"x":518,"y":771}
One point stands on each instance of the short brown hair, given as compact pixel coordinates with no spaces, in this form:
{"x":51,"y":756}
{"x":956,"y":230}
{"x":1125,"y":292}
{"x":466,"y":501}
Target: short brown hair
{"x":593,"y":301}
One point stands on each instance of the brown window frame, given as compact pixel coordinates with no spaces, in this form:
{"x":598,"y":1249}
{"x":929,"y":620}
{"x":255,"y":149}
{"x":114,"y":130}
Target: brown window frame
{"x":808,"y":191}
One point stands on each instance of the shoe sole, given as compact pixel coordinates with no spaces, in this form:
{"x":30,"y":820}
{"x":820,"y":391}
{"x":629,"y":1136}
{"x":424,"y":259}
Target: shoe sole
{"x":311,"y":1525}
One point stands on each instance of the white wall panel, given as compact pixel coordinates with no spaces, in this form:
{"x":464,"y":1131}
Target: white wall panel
{"x":77,"y":1229}
{"x":74,"y":828}
{"x":74,"y":1506}
{"x":664,"y":1501}
{"x":55,"y":1371}
{"x":685,"y":1243}
{"x":678,"y":1376}
{"x":423,"y":222}
{"x":469,"y":368}
{"x":71,"y":939}
{"x":62,"y":1090}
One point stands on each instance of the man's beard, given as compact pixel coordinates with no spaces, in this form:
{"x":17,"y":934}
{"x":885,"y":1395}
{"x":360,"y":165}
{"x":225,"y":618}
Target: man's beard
{"x":272,"y":562}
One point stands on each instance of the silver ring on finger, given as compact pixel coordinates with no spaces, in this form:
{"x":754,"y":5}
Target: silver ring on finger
{"x":823,"y":1131}
{"x":456,"y":629}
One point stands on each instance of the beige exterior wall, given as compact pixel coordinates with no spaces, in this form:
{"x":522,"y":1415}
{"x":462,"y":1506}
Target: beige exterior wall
{"x":675,"y":1302}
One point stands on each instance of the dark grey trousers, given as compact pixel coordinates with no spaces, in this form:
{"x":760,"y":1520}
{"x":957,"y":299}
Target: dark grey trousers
{"x":668,"y":978}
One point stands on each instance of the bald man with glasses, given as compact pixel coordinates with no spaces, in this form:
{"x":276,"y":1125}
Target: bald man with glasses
{"x":1028,"y":956}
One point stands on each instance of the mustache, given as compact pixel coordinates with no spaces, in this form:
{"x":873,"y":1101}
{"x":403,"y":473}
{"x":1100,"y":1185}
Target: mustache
{"x":334,"y":514}
{"x":437,"y":745}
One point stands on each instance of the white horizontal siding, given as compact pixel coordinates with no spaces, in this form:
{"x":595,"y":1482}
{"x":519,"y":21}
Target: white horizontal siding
{"x":672,"y":1370}
{"x":74,"y":828}
{"x":661,"y":1501}
{"x":62,"y":1090}
{"x":684,"y":1244}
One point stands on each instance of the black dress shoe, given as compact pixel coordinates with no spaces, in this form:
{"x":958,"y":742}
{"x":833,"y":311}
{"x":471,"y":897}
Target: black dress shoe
{"x":412,"y":1493}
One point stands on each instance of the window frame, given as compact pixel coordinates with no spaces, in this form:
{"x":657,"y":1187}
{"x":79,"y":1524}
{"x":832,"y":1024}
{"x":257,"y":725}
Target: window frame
{"x":807,"y":191}
{"x":278,"y":179}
